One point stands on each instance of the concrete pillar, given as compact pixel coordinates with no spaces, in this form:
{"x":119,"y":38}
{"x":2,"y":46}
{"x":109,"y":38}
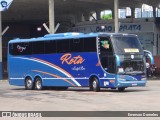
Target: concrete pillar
{"x":116,"y":6}
{"x":98,"y":14}
{"x":0,"y":46}
{"x":51,"y":16}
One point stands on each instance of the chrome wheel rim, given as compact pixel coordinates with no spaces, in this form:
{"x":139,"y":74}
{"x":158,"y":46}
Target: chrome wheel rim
{"x":94,"y":84}
{"x":38,"y":85}
{"x":29,"y":83}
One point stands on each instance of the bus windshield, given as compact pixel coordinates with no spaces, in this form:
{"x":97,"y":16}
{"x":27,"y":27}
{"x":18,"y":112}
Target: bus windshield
{"x":126,"y":44}
{"x":131,"y":64}
{"x":129,"y":51}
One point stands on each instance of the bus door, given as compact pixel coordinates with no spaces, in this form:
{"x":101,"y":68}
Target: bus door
{"x":106,"y":54}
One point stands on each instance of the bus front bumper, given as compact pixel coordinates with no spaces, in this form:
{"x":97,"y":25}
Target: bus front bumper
{"x":131,"y":83}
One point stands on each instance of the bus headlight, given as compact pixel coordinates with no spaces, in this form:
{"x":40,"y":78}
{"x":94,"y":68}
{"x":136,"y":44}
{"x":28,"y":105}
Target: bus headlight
{"x":120,"y":79}
{"x":144,"y":79}
{"x":120,"y":70}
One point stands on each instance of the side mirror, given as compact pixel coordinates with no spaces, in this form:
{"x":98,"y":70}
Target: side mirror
{"x":117,"y":60}
{"x":149,"y":55}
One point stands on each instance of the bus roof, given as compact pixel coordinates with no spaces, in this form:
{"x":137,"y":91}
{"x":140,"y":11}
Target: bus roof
{"x":68,"y":35}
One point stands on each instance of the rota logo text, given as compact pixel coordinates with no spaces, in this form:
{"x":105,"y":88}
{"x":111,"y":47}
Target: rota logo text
{"x":67,"y":58}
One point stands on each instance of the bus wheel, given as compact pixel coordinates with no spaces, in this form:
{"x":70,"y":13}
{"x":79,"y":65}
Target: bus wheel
{"x":29,"y":84}
{"x":38,"y":84}
{"x":95,"y":85}
{"x":121,"y":89}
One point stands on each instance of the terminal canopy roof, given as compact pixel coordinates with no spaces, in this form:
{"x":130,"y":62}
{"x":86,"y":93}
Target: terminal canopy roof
{"x":32,"y":9}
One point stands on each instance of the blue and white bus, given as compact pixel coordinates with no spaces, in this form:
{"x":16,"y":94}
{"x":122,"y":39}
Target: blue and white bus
{"x":95,"y":60}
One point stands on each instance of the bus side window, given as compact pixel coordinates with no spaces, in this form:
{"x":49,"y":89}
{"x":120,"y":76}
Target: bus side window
{"x":90,"y":44}
{"x":106,"y":55}
{"x":27,"y":46}
{"x":76,"y":45}
{"x":13,"y":49}
{"x":63,"y":46}
{"x":50,"y":46}
{"x":20,"y":48}
{"x":38,"y":47}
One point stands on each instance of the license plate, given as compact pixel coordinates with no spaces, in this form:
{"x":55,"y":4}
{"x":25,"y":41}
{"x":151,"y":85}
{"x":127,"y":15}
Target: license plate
{"x":134,"y":84}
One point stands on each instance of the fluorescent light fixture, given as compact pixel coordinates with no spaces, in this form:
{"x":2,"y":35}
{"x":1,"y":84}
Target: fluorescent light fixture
{"x":39,"y":29}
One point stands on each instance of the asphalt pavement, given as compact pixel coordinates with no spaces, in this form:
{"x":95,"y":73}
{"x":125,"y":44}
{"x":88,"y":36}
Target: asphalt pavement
{"x":15,"y":98}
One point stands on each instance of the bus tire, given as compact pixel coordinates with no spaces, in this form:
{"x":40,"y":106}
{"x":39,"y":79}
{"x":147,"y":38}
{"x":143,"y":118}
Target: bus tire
{"x":38,"y":84}
{"x":29,"y":85}
{"x":94,"y":86}
{"x":122,"y":89}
